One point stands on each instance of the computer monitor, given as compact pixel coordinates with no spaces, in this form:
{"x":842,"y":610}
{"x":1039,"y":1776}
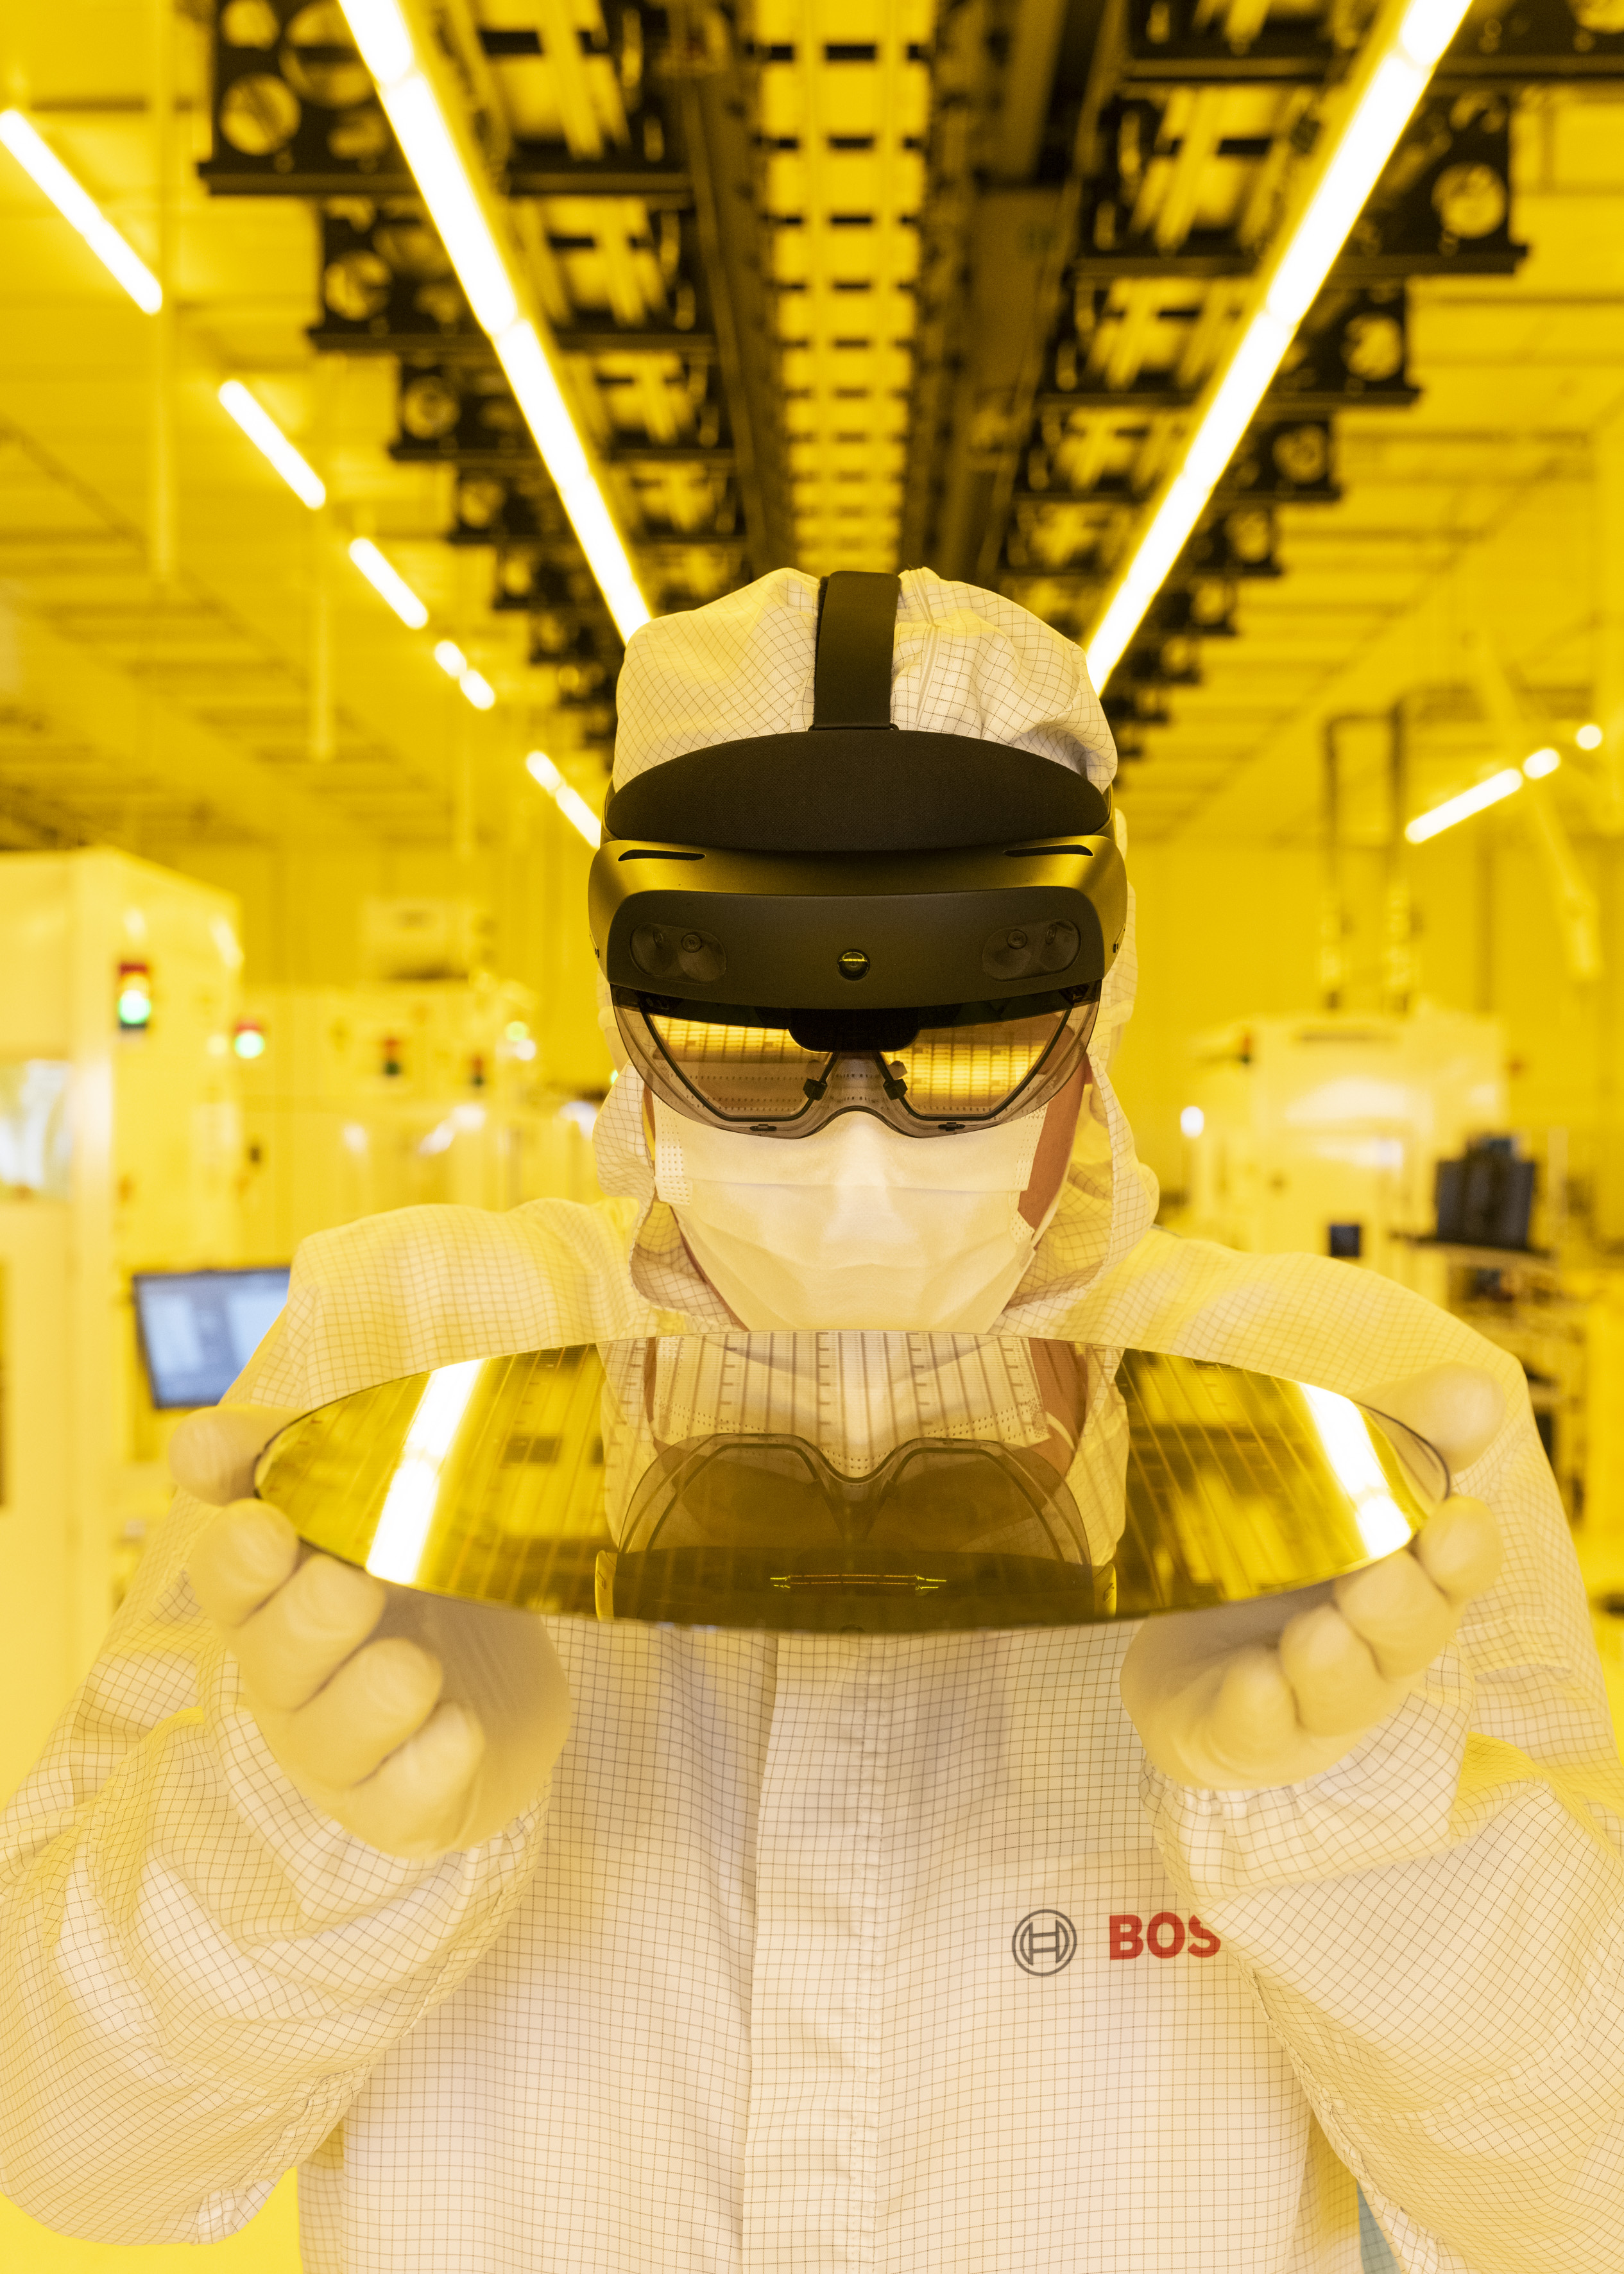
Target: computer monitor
{"x":1485,"y":1198}
{"x":197,"y":1329}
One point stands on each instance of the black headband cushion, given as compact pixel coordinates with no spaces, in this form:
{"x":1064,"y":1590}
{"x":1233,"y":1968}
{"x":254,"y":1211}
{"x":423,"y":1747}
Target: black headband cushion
{"x":856,"y":790}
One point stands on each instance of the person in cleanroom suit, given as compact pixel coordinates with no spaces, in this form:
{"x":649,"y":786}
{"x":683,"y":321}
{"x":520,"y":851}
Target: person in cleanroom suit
{"x":723,"y":1978}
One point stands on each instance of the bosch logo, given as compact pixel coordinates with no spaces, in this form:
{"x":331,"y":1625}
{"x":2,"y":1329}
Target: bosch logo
{"x":852,"y":964}
{"x":1045,"y":1942}
{"x":1163,"y":1935}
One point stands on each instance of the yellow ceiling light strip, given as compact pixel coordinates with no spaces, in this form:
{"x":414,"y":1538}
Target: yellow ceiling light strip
{"x":76,"y":205}
{"x":475,"y":686}
{"x":272,"y":444}
{"x":430,"y":129}
{"x":569,"y":802}
{"x":1538,"y":764}
{"x":1358,"y":136}
{"x":388,"y":581}
{"x":1476,"y":800}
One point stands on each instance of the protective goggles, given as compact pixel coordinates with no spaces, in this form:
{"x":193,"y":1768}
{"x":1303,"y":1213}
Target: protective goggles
{"x":958,"y":1066}
{"x":857,"y":918}
{"x":539,"y":1482}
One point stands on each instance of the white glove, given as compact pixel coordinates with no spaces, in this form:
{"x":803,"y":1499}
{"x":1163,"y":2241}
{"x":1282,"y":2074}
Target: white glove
{"x":431,"y":1735}
{"x":1268,"y":1693}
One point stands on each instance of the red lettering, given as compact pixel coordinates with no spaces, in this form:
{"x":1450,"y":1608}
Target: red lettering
{"x":1165,"y":1935}
{"x":1127,"y":1935}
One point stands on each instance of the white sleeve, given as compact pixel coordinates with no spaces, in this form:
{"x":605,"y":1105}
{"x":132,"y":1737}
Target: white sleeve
{"x":197,"y":1968}
{"x":1435,"y":1927}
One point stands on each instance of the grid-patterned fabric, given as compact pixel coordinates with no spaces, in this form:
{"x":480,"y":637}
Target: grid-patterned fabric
{"x":858,"y":1397}
{"x":828,"y":1956}
{"x":778,"y":1981}
{"x":965,"y":662}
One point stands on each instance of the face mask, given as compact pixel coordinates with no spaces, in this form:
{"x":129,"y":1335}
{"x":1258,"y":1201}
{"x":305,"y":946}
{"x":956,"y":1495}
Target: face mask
{"x":857,"y":1227}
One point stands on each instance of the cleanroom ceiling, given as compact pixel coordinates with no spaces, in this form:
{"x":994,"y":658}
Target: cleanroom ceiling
{"x":829,"y":283}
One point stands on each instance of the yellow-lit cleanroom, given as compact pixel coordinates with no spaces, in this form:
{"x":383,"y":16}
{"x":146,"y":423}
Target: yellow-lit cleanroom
{"x":811,"y":1136}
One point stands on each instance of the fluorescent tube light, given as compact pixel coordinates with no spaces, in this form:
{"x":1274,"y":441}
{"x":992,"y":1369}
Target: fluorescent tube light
{"x":569,"y":803}
{"x":480,"y":250}
{"x":1404,"y":42}
{"x":536,"y":389}
{"x":424,"y":134}
{"x":579,"y":814}
{"x":456,"y":666}
{"x":268,"y":439}
{"x":1539,"y":764}
{"x":76,"y":205}
{"x":1462,"y":808}
{"x":388,"y":583}
{"x":385,"y":42}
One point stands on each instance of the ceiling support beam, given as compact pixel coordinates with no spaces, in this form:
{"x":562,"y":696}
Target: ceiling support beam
{"x":90,"y":702}
{"x":1274,"y":795}
{"x":717,"y":146}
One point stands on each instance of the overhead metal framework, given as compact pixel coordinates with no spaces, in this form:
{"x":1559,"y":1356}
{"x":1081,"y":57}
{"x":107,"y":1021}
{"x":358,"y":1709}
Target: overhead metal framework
{"x":841,"y":97}
{"x":819,"y":282}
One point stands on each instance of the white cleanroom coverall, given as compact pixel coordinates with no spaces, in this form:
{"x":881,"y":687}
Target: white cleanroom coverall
{"x":826,"y":1953}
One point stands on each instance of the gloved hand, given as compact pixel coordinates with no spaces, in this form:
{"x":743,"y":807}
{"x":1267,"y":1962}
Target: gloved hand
{"x":417,"y":1723}
{"x":1251,"y":1695}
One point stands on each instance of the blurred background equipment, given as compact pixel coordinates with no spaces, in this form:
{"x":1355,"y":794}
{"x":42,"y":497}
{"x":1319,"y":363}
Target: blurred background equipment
{"x":362,"y":1098}
{"x":1483,"y":1200}
{"x":1325,"y":1132}
{"x":120,"y":1153}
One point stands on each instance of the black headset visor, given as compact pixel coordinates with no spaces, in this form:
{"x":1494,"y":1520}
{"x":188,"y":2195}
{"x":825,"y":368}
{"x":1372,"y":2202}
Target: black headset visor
{"x":859,"y":932}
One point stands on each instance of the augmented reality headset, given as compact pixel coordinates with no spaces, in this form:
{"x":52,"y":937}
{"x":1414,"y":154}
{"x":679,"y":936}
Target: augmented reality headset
{"x":858,"y":916}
